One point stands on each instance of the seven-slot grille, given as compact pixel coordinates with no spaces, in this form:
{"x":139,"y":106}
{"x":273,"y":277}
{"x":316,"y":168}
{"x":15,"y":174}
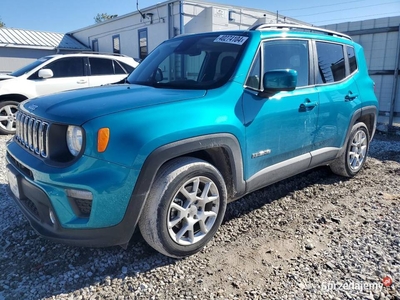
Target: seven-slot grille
{"x":32,"y":133}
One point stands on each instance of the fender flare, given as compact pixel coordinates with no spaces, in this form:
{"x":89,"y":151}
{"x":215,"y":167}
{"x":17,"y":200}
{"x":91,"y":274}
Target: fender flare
{"x":359,"y":113}
{"x":176,"y":149}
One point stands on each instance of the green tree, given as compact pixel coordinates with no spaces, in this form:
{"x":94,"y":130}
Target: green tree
{"x":103,"y":17}
{"x":2,"y":24}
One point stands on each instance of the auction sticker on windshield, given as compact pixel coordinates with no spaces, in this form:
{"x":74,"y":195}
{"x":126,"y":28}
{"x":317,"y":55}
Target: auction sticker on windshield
{"x":231,"y":39}
{"x":13,"y":183}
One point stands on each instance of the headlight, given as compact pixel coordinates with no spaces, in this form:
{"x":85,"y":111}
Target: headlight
{"x":74,"y":139}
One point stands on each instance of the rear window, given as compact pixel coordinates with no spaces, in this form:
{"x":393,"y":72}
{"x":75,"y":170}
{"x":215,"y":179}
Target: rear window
{"x":126,"y":67}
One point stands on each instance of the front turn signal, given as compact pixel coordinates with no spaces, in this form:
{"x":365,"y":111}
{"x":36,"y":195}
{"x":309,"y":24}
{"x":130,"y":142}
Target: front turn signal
{"x":103,"y":136}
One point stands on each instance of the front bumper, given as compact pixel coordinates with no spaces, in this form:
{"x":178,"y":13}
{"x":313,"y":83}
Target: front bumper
{"x":37,"y":199}
{"x":36,"y":206}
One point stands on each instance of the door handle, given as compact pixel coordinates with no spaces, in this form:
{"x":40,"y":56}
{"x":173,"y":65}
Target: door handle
{"x":81,"y":81}
{"x":307,"y":105}
{"x":350,"y":96}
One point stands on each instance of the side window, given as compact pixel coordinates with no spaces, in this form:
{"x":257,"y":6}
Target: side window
{"x":116,"y":44}
{"x":288,"y":54}
{"x":331,"y":63}
{"x":127,"y":68}
{"x":67,"y":67}
{"x":253,"y":81}
{"x":101,"y":66}
{"x":352,"y":59}
{"x":143,"y":49}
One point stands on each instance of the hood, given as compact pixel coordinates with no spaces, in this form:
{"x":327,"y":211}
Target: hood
{"x":79,"y":106}
{"x":5,"y":76}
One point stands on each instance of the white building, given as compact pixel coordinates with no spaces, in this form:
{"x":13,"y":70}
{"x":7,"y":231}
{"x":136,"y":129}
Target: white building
{"x":138,"y":33}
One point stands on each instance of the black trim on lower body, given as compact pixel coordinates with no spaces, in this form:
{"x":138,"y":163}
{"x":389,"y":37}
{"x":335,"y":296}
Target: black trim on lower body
{"x":361,"y":112}
{"x":371,"y":110}
{"x":36,"y":206}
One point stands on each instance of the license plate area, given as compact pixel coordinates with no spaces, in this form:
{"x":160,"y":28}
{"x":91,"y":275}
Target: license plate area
{"x":13,"y":184}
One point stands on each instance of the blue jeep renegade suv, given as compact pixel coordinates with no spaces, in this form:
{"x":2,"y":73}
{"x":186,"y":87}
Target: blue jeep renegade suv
{"x":202,"y":121}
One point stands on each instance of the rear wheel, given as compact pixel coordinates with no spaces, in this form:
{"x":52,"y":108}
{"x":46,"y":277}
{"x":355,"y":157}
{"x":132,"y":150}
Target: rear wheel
{"x":8,"y":109}
{"x":184,"y":208}
{"x":353,"y":158}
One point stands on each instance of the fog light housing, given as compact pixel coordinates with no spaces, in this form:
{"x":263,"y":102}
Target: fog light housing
{"x":80,"y":201}
{"x":52,"y":217}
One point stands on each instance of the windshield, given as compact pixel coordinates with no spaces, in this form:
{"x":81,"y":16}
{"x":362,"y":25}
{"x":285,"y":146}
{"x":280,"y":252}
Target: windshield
{"x":29,"y":67}
{"x":191,"y":62}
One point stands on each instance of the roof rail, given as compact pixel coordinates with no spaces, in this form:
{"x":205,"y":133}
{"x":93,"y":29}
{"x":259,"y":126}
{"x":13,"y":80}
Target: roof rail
{"x":94,"y":52}
{"x":296,"y":27}
{"x":101,"y":53}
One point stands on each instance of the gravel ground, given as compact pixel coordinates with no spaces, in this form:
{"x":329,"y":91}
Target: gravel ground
{"x":313,"y":236}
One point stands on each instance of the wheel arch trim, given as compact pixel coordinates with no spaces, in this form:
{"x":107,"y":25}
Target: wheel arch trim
{"x":173,"y":150}
{"x":161,"y":155}
{"x":358,"y":114}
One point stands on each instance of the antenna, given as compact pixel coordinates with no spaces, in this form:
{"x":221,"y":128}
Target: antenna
{"x":137,"y":7}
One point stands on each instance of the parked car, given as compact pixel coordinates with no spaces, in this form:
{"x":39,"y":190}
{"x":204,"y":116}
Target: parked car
{"x":56,"y":73}
{"x":202,"y":121}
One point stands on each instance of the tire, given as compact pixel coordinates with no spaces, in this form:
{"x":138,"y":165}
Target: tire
{"x":177,"y":222}
{"x":353,"y":158}
{"x":8,"y":109}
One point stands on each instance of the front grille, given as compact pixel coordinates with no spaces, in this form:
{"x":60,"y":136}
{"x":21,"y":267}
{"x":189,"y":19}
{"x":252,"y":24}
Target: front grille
{"x":33,"y":134}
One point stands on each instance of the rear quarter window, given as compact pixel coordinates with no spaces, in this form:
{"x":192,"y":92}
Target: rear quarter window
{"x":352,"y":59}
{"x":125,"y":67}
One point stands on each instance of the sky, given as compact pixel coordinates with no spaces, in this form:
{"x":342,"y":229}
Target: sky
{"x":64,"y":16}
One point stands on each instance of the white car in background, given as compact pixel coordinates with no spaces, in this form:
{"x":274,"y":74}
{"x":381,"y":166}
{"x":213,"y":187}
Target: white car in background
{"x":56,"y":73}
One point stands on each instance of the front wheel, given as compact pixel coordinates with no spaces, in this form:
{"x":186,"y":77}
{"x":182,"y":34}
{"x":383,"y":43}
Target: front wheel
{"x":8,"y":110}
{"x":353,"y":158}
{"x":184,"y":208}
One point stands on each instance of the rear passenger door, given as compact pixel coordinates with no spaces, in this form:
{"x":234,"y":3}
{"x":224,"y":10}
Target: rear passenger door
{"x":338,"y":92}
{"x":282,"y":127}
{"x":105,"y":71}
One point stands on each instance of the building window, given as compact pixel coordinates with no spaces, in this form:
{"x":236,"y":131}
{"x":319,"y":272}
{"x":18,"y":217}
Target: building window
{"x":116,"y":44}
{"x":95,"y":45}
{"x":143,"y":49}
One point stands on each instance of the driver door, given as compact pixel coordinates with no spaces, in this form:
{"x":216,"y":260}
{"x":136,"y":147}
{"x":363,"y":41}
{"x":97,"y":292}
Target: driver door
{"x":280,"y":129}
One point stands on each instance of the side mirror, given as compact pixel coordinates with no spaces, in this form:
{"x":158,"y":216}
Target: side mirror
{"x":45,"y":73}
{"x":276,"y":81}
